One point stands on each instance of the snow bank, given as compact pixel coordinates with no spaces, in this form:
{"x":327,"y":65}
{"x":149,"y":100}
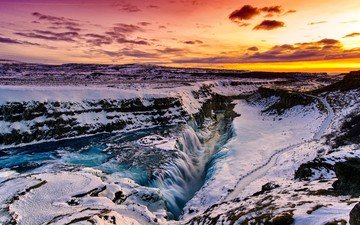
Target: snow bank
{"x":257,"y":138}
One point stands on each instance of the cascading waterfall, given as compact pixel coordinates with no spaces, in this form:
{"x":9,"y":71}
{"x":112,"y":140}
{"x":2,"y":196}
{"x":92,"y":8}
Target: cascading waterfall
{"x":181,"y":179}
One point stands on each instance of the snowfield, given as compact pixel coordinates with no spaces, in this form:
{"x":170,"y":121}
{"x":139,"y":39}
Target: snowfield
{"x":258,"y":137}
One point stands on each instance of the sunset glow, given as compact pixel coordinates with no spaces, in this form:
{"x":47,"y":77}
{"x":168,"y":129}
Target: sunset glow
{"x":285,"y":35}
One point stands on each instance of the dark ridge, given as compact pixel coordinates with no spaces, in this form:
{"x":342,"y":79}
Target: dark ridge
{"x":355,"y":215}
{"x":287,"y":99}
{"x":350,"y":81}
{"x":10,"y":67}
{"x":60,"y":128}
{"x":348,"y":174}
{"x":306,"y":170}
{"x":350,"y":131}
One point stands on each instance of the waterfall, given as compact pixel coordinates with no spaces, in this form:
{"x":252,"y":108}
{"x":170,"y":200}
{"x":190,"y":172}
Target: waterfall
{"x":182,"y":178}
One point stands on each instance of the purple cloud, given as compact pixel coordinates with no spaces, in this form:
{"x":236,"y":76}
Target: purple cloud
{"x":269,"y":25}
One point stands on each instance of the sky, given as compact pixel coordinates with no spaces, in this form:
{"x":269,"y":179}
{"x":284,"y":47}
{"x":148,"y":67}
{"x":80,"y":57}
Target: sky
{"x":282,"y":35}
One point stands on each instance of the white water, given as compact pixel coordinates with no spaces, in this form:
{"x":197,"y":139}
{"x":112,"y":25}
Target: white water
{"x":180,"y":180}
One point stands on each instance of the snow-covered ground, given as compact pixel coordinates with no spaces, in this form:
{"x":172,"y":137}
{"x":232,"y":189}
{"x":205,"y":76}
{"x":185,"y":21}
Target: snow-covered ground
{"x":307,"y":133}
{"x":258,"y":137}
{"x":71,"y":93}
{"x":63,"y":197}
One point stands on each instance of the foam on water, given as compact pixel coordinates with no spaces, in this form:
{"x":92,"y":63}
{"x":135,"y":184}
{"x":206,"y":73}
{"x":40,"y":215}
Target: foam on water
{"x":181,"y":179}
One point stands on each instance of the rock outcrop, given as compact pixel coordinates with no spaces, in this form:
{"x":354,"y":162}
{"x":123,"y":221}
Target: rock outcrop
{"x":348,"y":174}
{"x":355,"y":215}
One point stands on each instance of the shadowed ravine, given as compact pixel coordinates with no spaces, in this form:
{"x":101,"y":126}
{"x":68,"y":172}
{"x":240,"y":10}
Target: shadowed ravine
{"x":182,"y":179}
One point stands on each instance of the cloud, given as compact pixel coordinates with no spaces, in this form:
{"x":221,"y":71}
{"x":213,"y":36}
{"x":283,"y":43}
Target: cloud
{"x":193,"y":42}
{"x":272,"y":9}
{"x":349,"y":21}
{"x":127,"y":7}
{"x":123,"y":40}
{"x":290,"y":11}
{"x":55,"y":23}
{"x":129,"y":53}
{"x":98,"y":40}
{"x":144,"y":24}
{"x":327,"y":41}
{"x":60,"y":22}
{"x":50,"y":36}
{"x":72,"y":31}
{"x":139,"y":54}
{"x":325,"y":49}
{"x":355,"y":34}
{"x":153,"y":6}
{"x":243,"y":24}
{"x":320,"y":50}
{"x":41,"y":16}
{"x":245,"y":13}
{"x":209,"y":60}
{"x":248,"y":12}
{"x":316,"y":23}
{"x":122,"y":28}
{"x":119,"y":33}
{"x":254,"y":49}
{"x":5,"y":40}
{"x":71,"y":28}
{"x":269,"y":25}
{"x":172,"y":50}
{"x":134,"y":53}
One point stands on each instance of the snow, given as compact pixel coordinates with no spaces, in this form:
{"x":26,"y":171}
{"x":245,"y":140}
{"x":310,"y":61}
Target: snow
{"x":6,"y":174}
{"x":305,"y":128}
{"x":158,"y":142}
{"x":122,"y":218}
{"x":258,"y":136}
{"x":64,"y":93}
{"x":52,"y":195}
{"x":47,"y":199}
{"x":265,"y":148}
{"x":325,"y":214}
{"x":79,"y":93}
{"x":147,"y":94}
{"x":78,"y":101}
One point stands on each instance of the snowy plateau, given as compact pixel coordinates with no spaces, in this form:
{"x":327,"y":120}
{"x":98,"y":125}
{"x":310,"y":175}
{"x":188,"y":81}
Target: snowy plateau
{"x":142,"y":144}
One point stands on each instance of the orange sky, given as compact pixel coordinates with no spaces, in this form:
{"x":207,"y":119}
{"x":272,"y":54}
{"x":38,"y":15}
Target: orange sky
{"x":287,"y":35}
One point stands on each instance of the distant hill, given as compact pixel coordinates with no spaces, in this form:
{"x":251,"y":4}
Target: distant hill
{"x":350,"y":81}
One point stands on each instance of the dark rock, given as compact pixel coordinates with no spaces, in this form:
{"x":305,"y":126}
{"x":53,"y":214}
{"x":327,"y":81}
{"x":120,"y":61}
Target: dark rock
{"x":287,"y":99}
{"x":284,"y":219}
{"x":349,"y":82}
{"x":337,"y":222}
{"x":119,"y":197}
{"x":73,"y":202}
{"x":355,"y":215}
{"x":266,"y":188}
{"x":305,"y":171}
{"x":348,"y":174}
{"x":350,"y":131}
{"x":150,"y":197}
{"x":61,"y":117}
